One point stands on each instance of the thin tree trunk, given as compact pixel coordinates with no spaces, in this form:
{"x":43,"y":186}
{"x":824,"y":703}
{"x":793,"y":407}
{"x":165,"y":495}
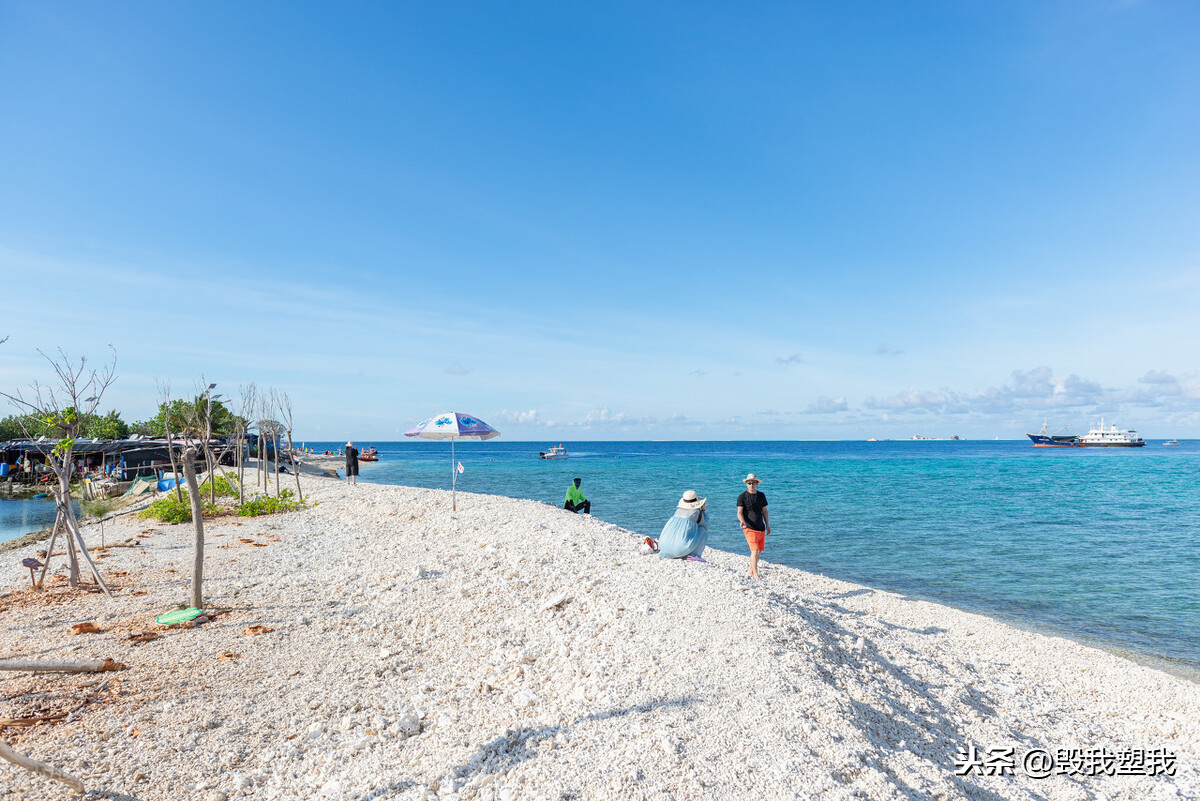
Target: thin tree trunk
{"x":171,"y":454}
{"x":58,"y":519}
{"x":73,"y":526}
{"x":276,"y":464}
{"x":241,"y":446}
{"x":292,"y":456}
{"x":63,"y":499}
{"x":72,"y":558}
{"x":189,"y":473}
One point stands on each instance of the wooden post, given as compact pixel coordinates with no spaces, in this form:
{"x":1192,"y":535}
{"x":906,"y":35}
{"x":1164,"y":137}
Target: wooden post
{"x":189,"y":473}
{"x":40,"y":768}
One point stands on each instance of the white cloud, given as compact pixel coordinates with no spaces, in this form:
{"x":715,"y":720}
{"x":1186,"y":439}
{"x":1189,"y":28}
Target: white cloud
{"x":824,"y":405}
{"x":527,"y":418}
{"x":1158,"y":377}
{"x":920,"y":401}
{"x":1038,"y":389}
{"x":884,"y":350}
{"x":457,"y":369}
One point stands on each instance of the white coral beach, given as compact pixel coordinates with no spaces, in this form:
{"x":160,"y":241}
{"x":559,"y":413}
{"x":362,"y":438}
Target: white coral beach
{"x":517,"y":651}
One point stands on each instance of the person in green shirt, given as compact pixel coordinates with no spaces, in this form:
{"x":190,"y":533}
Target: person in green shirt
{"x":576,"y":500}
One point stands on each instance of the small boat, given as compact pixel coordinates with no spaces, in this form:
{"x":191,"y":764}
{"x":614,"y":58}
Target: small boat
{"x":555,"y":452}
{"x":1171,"y":442}
{"x":369,"y":455}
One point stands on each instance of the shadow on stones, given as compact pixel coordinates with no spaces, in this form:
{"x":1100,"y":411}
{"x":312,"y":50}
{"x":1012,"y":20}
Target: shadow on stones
{"x":930,"y":733}
{"x":518,"y":745}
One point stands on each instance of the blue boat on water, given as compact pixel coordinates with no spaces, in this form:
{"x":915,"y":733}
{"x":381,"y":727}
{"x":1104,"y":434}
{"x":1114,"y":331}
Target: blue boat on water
{"x":1044,"y":439}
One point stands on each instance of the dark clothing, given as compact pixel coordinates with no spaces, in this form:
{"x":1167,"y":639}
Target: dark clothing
{"x":351,"y":462}
{"x":585,"y":507}
{"x":752,"y":506}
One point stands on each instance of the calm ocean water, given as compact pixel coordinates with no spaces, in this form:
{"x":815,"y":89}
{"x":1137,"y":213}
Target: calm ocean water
{"x":18,"y":517}
{"x":1099,"y":545}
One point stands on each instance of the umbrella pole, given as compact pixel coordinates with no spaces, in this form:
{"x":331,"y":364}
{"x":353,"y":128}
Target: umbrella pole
{"x":453,"y":478}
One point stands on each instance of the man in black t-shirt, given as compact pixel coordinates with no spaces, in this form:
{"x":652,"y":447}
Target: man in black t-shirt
{"x":351,"y":463}
{"x":752,"y":514}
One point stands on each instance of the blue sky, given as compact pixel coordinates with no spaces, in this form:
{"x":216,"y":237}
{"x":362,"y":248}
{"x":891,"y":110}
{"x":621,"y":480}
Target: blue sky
{"x":669,"y":221}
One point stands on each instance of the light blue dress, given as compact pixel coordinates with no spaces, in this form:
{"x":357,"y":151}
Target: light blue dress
{"x":685,"y":534}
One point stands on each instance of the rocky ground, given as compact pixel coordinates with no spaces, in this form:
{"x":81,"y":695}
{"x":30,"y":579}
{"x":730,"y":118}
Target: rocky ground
{"x":377,"y":646}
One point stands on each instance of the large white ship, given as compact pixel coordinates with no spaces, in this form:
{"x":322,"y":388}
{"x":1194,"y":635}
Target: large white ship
{"x":1101,"y":437}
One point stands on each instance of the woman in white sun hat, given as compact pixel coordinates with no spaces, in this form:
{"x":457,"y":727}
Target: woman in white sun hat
{"x":686,"y":533}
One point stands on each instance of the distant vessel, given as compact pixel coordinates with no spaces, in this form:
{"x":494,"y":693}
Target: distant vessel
{"x":1171,"y":442}
{"x":1044,"y":439}
{"x":872,"y":439}
{"x":555,"y":452}
{"x":1101,"y":437}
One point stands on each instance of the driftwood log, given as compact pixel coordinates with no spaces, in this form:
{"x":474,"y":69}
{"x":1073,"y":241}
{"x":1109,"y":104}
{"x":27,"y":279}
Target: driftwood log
{"x":75,"y":666}
{"x":40,"y":768}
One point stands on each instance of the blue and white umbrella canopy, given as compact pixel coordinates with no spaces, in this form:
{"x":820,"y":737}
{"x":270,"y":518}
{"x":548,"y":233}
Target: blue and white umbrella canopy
{"x":452,"y":426}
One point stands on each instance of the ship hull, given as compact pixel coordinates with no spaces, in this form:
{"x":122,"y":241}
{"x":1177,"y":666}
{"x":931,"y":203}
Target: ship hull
{"x":1046,"y":441}
{"x":1138,"y":444}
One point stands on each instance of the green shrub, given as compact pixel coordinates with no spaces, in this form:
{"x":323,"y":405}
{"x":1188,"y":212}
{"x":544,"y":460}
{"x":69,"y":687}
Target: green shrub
{"x":97,"y":508}
{"x":268,"y":505}
{"x":168,"y":510}
{"x":171,"y":510}
{"x":225,"y":487}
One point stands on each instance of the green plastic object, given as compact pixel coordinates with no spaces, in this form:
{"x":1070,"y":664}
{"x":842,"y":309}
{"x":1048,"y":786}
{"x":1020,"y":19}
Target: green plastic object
{"x":176,"y":616}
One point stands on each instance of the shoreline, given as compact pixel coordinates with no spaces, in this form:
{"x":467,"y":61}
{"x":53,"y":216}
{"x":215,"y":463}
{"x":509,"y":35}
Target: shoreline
{"x":317,"y":465}
{"x":515,"y":650}
{"x":1176,"y":666}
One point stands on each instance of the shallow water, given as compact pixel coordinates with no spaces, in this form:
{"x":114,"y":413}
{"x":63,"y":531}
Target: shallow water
{"x":1099,"y":545}
{"x":21,"y":516}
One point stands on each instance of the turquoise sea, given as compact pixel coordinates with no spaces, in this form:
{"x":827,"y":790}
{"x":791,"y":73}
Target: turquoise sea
{"x":1102,"y":546}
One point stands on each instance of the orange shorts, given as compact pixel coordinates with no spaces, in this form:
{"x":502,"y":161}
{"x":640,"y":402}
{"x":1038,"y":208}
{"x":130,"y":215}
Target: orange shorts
{"x":756,"y":539}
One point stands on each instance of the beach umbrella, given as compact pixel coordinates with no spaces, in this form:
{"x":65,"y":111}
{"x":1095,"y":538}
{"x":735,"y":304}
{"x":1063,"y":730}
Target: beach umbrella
{"x":452,"y":426}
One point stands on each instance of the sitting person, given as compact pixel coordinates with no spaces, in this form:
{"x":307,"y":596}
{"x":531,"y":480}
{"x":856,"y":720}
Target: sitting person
{"x":686,"y":533}
{"x":576,"y":500}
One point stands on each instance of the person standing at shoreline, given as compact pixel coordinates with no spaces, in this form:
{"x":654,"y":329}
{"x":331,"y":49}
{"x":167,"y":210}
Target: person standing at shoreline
{"x":351,"y":463}
{"x":752,"y":515}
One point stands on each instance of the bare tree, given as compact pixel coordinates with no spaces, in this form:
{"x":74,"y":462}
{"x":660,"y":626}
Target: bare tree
{"x":247,"y":398}
{"x":62,"y":408}
{"x":283,"y":402}
{"x":269,"y":430}
{"x":204,"y":410}
{"x":164,"y":392}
